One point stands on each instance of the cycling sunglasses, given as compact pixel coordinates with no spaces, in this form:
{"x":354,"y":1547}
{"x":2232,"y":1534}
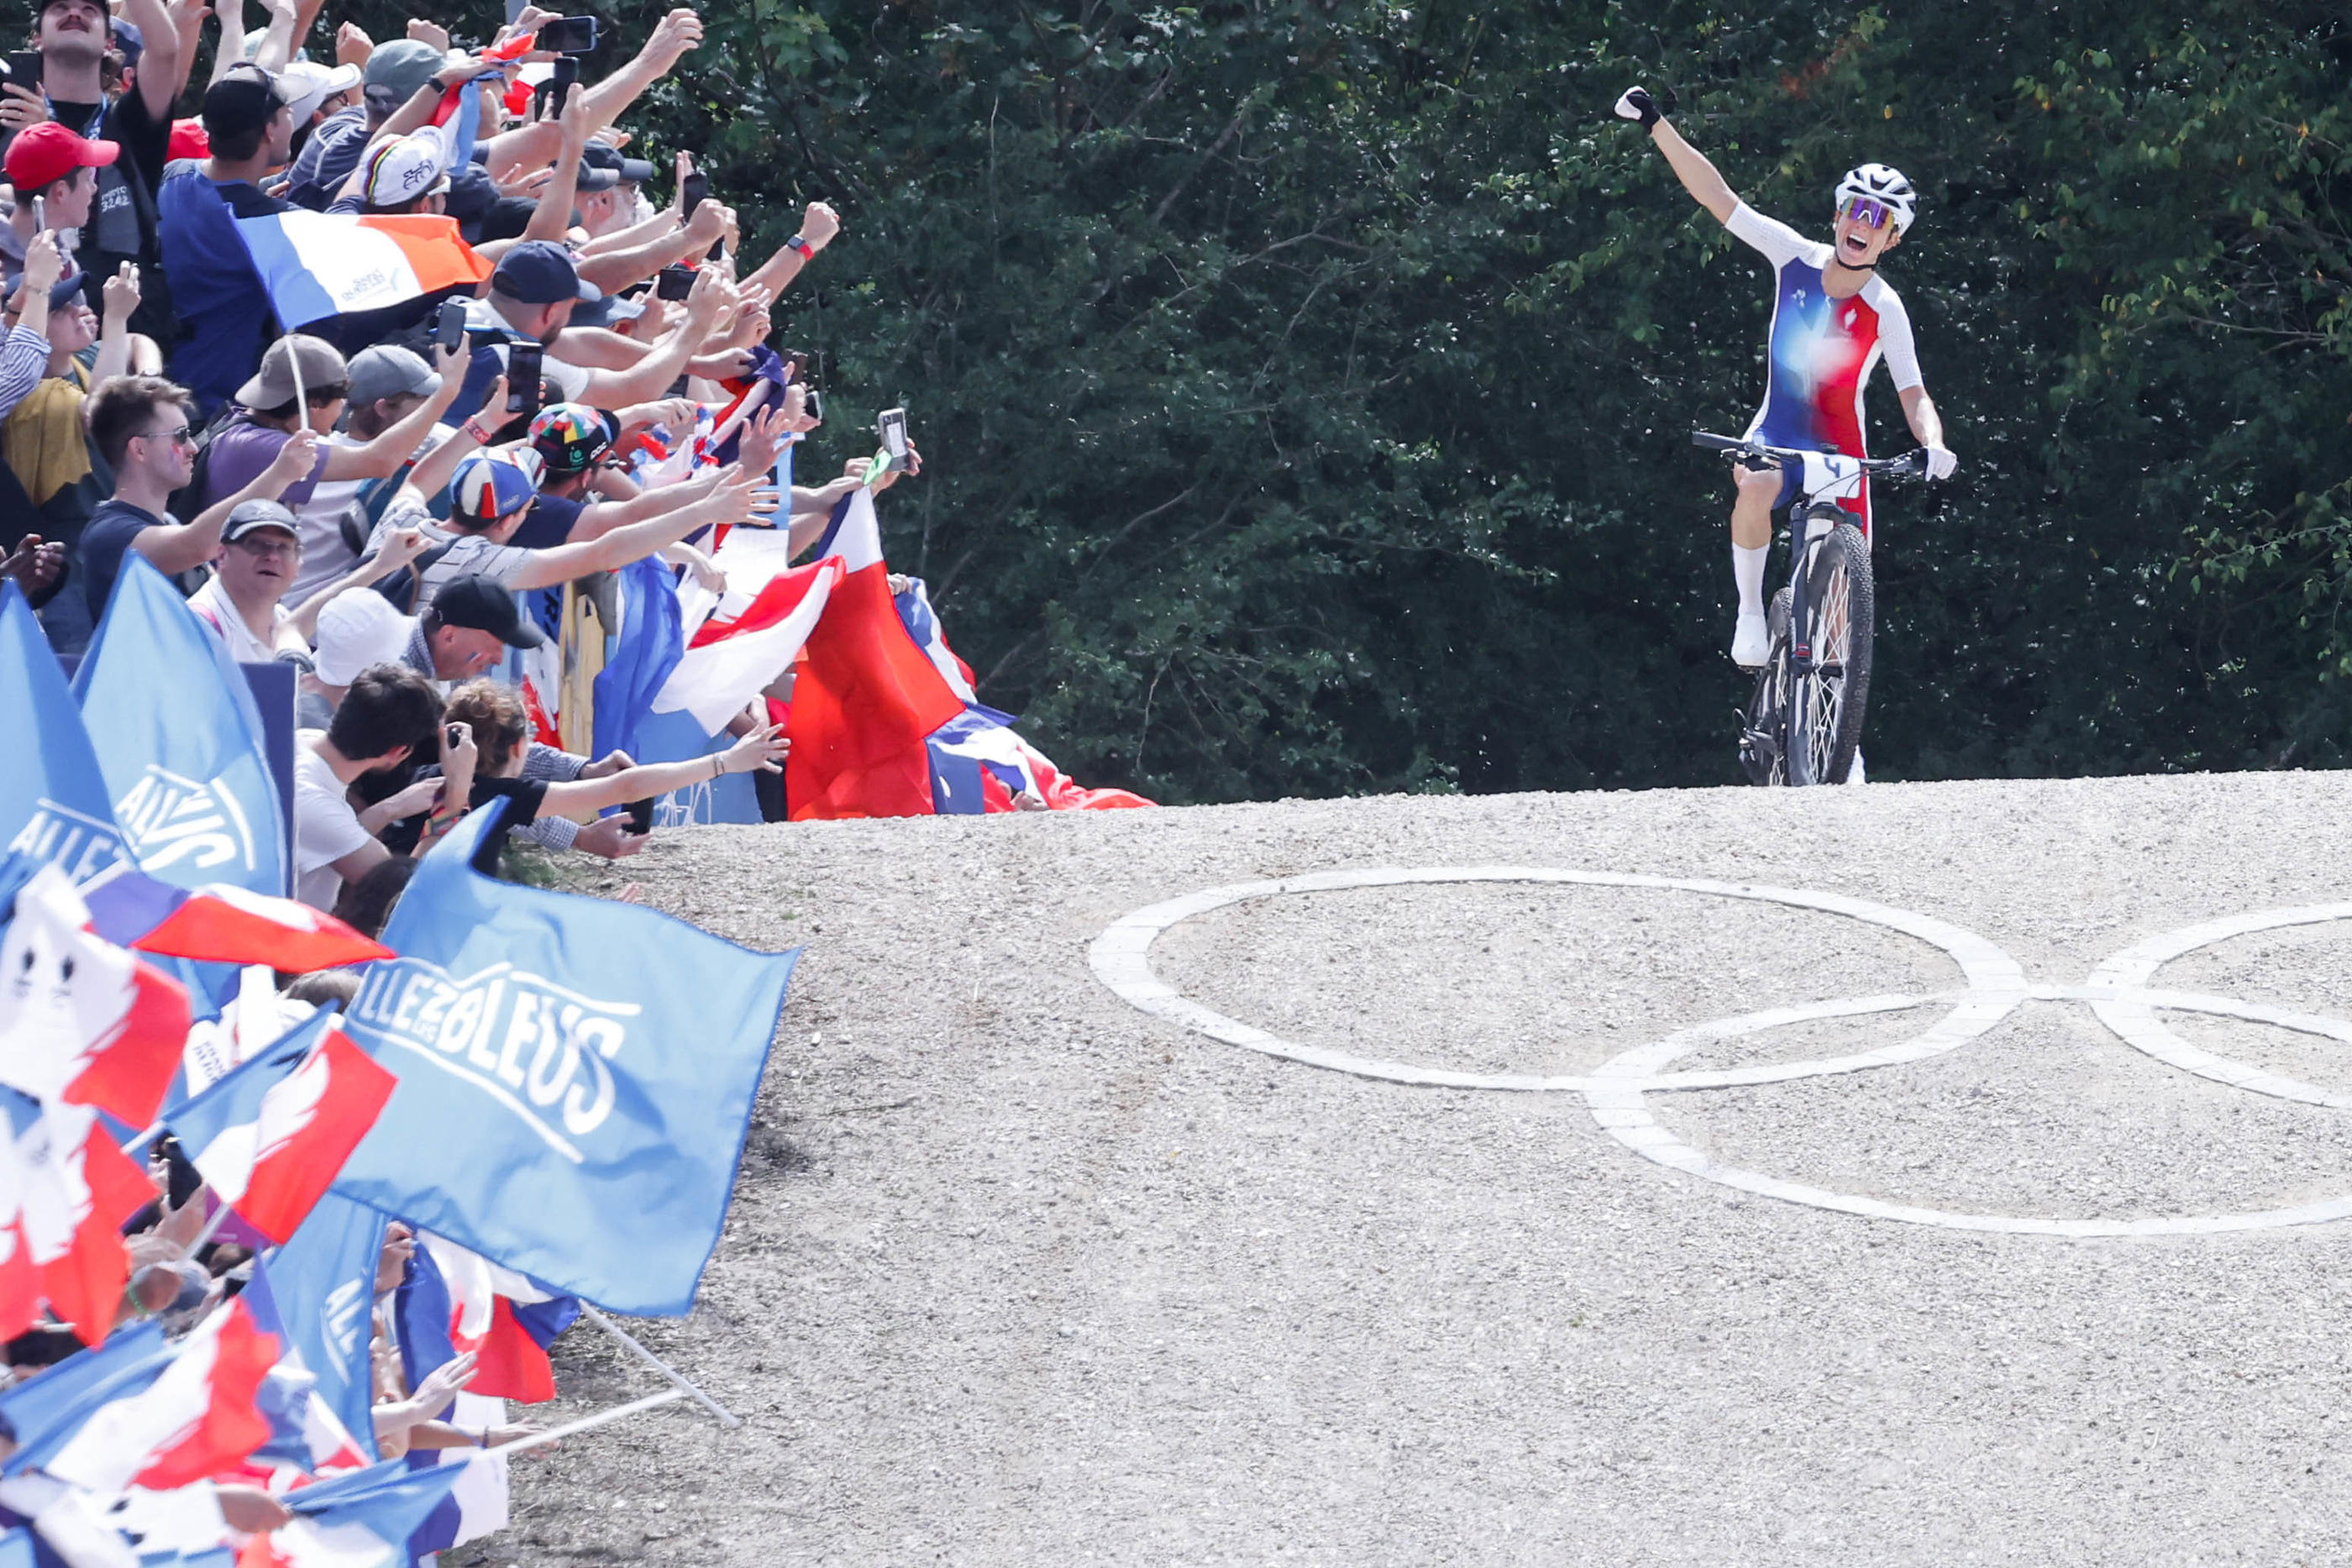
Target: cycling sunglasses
{"x":1868,"y":213}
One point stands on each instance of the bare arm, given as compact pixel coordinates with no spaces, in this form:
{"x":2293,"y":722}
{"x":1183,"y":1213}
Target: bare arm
{"x":381,"y":458}
{"x":190,"y":544}
{"x":760,"y":749}
{"x":729,"y":502}
{"x":617,"y":269}
{"x":403,"y":546}
{"x":651,"y":377}
{"x":231,"y":48}
{"x":277,"y":42}
{"x":1699,"y":176}
{"x":674,"y":34}
{"x":819,"y":224}
{"x":159,"y":67}
{"x":551,"y":219}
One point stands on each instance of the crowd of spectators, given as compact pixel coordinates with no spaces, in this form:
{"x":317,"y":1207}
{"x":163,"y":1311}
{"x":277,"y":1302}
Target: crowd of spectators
{"x":378,"y":496}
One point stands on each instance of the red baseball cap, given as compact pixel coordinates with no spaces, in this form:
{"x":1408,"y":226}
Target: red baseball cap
{"x":45,"y":153}
{"x":189,"y":141}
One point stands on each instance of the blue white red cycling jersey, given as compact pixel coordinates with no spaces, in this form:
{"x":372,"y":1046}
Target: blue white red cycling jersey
{"x":1823,"y":349}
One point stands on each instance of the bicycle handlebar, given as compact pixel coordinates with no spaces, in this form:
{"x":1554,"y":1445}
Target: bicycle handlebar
{"x":1912,"y":462}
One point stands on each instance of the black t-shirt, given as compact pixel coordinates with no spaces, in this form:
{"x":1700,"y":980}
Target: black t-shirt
{"x":121,"y":224}
{"x":99,"y":553}
{"x":524,"y":796}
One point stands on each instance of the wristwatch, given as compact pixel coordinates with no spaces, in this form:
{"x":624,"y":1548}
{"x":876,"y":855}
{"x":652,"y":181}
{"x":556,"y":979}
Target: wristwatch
{"x":800,"y":243}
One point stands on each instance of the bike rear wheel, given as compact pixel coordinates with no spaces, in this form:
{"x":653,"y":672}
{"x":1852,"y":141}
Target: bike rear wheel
{"x":1826,"y":703}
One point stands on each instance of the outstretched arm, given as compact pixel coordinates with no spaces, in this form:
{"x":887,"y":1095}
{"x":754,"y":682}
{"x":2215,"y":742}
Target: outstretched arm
{"x":1699,"y":176}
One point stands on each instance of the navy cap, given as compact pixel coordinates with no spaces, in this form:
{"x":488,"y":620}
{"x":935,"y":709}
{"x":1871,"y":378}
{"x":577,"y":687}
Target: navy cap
{"x":634,"y":171}
{"x":540,"y":272}
{"x":241,"y":100}
{"x":66,"y":288}
{"x":471,"y":191}
{"x":482,"y":605}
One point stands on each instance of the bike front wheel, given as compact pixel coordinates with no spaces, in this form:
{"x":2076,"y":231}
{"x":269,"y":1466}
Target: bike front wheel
{"x":1827,"y":698}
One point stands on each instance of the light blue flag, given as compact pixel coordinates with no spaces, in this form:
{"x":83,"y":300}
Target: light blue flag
{"x":318,"y":1288}
{"x":53,"y":801}
{"x":179,"y":740}
{"x":576,"y":1077}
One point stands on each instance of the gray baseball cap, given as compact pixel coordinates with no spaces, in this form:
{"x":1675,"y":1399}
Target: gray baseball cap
{"x":389,"y":370}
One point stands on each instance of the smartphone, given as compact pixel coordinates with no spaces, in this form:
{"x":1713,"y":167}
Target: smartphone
{"x":449,"y":328}
{"x":40,"y":214}
{"x":717,"y":251}
{"x":814,"y":405}
{"x":674,"y":281}
{"x":450,"y":738}
{"x":891,"y":426}
{"x":567,"y":35}
{"x":522,"y":378}
{"x":693,"y":191}
{"x":640,"y":814}
{"x":24,"y":69}
{"x":549,"y":96}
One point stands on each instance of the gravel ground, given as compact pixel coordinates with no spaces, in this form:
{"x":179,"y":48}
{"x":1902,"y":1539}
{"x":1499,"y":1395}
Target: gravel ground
{"x":1018,"y":1274}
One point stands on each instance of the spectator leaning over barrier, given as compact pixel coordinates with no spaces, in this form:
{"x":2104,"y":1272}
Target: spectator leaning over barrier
{"x":224,"y":310}
{"x":72,"y":38}
{"x":140,"y":425}
{"x":390,"y":714}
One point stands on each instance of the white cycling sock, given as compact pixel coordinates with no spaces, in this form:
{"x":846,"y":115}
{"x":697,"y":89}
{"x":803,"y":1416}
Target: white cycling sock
{"x":1747,"y":571}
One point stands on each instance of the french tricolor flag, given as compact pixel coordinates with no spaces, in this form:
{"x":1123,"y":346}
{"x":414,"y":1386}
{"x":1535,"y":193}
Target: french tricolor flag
{"x":218,"y":923}
{"x":506,"y":1319}
{"x":358,"y":1520}
{"x":317,"y":264}
{"x":73,"y":1189}
{"x":84,"y":1021}
{"x":867,"y":697}
{"x":731,"y":659}
{"x":271,"y":1135}
{"x":197,"y":1419}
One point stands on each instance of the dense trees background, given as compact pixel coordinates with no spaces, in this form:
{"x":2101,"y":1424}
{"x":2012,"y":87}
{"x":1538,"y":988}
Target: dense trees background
{"x":1303,"y":386}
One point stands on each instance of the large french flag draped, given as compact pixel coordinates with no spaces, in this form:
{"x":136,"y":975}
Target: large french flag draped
{"x":179,"y":740}
{"x":317,"y":264}
{"x":647,"y":648}
{"x":866,"y":698}
{"x":732,"y":658}
{"x":54,"y":804}
{"x":46,"y":1410}
{"x":197,"y":1417}
{"x":582,"y":1070}
{"x":269,"y":1136}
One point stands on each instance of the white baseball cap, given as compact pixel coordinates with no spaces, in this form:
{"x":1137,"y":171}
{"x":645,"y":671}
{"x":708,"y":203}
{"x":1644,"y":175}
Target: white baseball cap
{"x":308,"y":84}
{"x":401,"y":170}
{"x":357,"y":629}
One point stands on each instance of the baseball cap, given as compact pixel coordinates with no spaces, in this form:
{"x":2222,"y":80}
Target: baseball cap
{"x":67,"y":287}
{"x":272,"y":386}
{"x":494,"y":483}
{"x":188,"y":140}
{"x":400,"y":170}
{"x":241,"y":100}
{"x":308,"y":84}
{"x":45,"y":153}
{"x":604,"y":312}
{"x":396,"y":69}
{"x":252,"y":517}
{"x":387,"y":369}
{"x":570,"y":436}
{"x":481,"y":605}
{"x":540,"y":272}
{"x":593,"y":178}
{"x":632,"y":171}
{"x":357,"y":631}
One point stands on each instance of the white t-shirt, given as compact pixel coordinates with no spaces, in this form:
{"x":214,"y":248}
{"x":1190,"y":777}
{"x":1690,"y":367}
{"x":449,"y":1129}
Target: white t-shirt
{"x":217,"y":610}
{"x":326,"y":829}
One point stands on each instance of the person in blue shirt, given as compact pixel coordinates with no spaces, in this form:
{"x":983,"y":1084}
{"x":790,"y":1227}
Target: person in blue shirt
{"x":225,"y":313}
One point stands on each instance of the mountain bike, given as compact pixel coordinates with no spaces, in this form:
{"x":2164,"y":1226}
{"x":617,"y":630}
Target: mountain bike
{"x":1803,"y":725}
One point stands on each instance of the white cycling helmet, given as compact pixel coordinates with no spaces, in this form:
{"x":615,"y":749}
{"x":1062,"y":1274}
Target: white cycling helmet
{"x":1883,"y":184}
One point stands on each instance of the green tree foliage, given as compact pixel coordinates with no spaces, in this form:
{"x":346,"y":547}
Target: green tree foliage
{"x":1304,"y":387}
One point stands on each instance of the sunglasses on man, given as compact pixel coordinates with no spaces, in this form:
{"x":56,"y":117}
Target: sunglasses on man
{"x":1868,"y":213}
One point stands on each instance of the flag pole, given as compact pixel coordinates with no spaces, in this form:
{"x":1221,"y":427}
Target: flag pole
{"x":650,"y":1402}
{"x":684,"y":1387}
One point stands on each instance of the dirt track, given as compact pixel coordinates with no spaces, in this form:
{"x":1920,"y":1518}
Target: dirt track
{"x":1017,"y":1273}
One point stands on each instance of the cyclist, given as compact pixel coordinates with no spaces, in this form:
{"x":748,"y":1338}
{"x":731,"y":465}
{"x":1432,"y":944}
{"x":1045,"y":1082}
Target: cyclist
{"x":1832,"y":318}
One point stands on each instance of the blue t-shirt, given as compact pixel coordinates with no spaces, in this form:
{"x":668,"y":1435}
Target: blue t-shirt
{"x":99,"y":550}
{"x":224,"y":310}
{"x":548,"y":523}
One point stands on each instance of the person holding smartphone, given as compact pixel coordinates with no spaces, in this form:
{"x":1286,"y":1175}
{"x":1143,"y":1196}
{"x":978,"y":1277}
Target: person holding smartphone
{"x":54,"y":170}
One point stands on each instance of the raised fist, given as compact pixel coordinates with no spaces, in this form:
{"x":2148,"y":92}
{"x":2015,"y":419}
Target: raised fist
{"x":1637,"y":104}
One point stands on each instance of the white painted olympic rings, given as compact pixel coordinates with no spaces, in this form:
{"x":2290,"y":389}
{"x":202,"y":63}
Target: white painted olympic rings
{"x":1995,"y":986}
